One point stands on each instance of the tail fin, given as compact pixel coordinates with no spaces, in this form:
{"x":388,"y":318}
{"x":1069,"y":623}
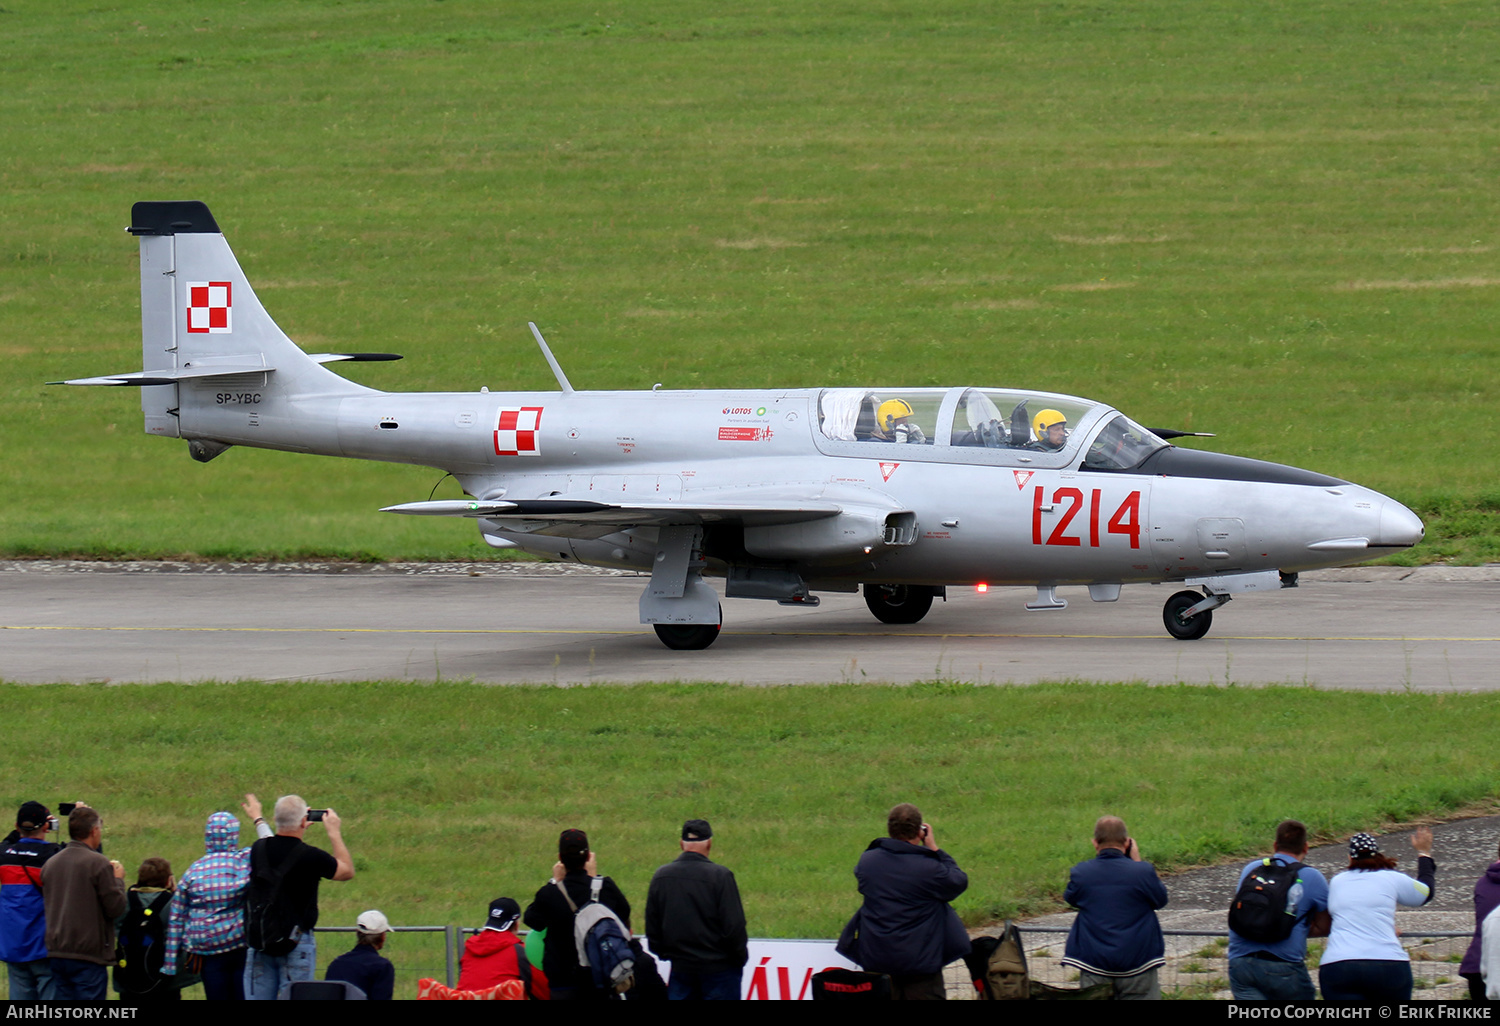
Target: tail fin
{"x":204,"y":335}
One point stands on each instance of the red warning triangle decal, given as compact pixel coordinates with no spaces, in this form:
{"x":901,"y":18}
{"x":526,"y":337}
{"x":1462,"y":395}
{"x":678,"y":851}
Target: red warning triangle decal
{"x":887,"y":469}
{"x":1022,"y":476}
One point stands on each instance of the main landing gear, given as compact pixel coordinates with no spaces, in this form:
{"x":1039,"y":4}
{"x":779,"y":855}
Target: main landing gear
{"x":899,"y":603}
{"x":689,"y":637}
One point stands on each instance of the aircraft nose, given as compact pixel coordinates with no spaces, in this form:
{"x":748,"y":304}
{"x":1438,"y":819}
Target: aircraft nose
{"x":1399,"y":526}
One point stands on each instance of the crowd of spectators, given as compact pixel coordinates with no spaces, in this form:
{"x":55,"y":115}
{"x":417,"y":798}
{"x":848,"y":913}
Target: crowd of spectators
{"x":241,"y":920}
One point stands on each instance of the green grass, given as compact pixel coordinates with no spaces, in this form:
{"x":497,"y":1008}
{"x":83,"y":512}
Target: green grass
{"x":1273,"y":222}
{"x":454,"y":793}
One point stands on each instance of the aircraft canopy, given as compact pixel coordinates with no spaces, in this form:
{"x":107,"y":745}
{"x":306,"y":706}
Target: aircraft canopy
{"x":1011,"y":425}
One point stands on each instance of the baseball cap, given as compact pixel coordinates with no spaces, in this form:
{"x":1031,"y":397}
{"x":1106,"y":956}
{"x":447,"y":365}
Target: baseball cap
{"x":372,"y":921}
{"x":503,"y":914}
{"x":31,"y":815}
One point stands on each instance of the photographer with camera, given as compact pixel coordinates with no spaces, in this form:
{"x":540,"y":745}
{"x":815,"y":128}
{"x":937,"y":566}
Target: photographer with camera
{"x":1115,"y":938}
{"x":906,"y":928}
{"x":281,"y":902}
{"x":23,"y":941}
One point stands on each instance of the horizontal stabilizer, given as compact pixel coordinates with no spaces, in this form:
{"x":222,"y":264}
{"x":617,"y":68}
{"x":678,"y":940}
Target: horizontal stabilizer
{"x":354,"y":357}
{"x":171,"y":375}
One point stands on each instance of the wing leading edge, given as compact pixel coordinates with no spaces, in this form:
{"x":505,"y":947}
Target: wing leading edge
{"x":571,"y":518}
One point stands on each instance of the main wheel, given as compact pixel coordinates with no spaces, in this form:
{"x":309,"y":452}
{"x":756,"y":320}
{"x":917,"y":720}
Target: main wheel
{"x":689,"y":637}
{"x":898,"y":603}
{"x":1189,"y":628}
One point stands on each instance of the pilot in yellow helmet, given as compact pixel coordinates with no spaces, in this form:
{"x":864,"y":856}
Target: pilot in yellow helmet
{"x":1051,"y":430}
{"x":893,"y":424}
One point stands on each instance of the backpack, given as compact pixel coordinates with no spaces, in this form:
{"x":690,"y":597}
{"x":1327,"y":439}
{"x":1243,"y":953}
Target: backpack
{"x":997,"y":965}
{"x":998,"y":968}
{"x":1259,"y":910}
{"x":141,"y":945}
{"x":270,"y":927}
{"x":602,"y":940}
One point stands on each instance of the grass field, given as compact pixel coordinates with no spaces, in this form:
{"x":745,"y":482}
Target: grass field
{"x":1274,"y":222}
{"x":454,"y":793}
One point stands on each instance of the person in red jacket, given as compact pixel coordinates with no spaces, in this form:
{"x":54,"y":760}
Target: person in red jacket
{"x":495,"y":954}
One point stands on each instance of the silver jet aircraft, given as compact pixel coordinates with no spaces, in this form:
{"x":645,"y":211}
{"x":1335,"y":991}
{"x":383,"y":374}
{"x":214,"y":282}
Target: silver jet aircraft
{"x":783,"y":493}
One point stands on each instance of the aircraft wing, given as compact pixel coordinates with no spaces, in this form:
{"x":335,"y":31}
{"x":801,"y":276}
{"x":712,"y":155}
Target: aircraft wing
{"x":571,"y":518}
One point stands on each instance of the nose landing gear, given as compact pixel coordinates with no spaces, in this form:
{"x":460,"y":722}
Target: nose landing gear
{"x":1188,"y":615}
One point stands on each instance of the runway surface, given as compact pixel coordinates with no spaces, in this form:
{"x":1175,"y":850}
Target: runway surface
{"x":1382,"y":628}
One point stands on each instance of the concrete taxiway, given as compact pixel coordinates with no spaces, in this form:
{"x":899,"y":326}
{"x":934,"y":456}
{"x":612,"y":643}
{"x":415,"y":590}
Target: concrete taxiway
{"x":1378,"y":628}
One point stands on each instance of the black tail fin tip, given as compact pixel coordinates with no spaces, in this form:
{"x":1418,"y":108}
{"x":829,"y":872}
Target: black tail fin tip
{"x":180,"y":217}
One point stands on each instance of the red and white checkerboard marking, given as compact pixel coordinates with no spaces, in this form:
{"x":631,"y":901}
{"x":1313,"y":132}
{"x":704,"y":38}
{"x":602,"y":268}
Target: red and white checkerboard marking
{"x":518,"y":431}
{"x":209,"y":307}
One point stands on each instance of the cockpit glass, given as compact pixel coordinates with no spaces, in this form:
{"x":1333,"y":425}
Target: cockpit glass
{"x":906,"y":417}
{"x":1122,"y":444}
{"x":996,"y":419}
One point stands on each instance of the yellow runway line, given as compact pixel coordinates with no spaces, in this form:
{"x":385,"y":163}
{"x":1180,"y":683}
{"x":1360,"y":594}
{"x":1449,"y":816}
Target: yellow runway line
{"x":766,"y":632}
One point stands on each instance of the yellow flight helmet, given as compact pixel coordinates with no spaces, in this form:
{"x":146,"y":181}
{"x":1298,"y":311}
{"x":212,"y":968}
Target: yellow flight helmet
{"x":891,"y":411}
{"x":1047,"y":419}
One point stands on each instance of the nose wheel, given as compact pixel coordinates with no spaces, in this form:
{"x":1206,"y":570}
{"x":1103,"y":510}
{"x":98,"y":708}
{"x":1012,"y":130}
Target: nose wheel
{"x":1180,"y":624}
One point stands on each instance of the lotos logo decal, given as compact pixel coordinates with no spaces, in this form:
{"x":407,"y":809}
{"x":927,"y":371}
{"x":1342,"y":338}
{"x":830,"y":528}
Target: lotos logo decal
{"x":518,"y":431}
{"x":887,"y":469}
{"x":209,"y":307}
{"x":731,"y":411}
{"x":1022,"y":476}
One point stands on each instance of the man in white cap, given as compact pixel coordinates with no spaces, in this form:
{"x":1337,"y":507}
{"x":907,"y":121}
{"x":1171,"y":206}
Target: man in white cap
{"x":365,"y":967}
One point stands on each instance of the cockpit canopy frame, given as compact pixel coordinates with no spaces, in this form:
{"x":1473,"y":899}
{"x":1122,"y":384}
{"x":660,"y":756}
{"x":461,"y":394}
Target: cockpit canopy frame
{"x":985,"y":426}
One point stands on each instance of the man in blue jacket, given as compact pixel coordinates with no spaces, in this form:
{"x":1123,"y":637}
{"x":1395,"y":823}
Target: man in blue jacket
{"x":1115,"y":937}
{"x":906,"y":928}
{"x":23,"y":926}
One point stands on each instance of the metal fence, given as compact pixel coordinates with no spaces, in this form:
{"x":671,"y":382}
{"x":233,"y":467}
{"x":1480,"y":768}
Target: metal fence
{"x":1198,"y":964}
